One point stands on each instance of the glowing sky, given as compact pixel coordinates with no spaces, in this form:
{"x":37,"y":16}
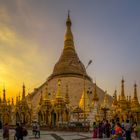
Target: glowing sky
{"x":32,"y":34}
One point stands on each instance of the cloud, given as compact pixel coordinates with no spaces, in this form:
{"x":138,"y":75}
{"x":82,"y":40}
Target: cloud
{"x":18,"y":56}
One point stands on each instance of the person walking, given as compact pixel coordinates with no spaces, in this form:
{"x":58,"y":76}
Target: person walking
{"x":37,"y":130}
{"x":94,"y":130}
{"x":0,"y":126}
{"x":100,"y":128}
{"x":6,"y":132}
{"x":119,"y":132}
{"x":24,"y":133}
{"x":19,"y":132}
{"x":127,"y":127}
{"x":107,"y":129}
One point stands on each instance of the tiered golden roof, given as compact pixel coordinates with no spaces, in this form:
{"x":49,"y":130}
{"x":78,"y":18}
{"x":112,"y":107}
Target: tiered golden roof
{"x":114,"y":103}
{"x":47,"y":101}
{"x":122,"y":91}
{"x":69,"y":63}
{"x":23,"y":92}
{"x":59,"y":100}
{"x":84,"y":103}
{"x":95,"y":96}
{"x":135,"y":103}
{"x":122,"y":100}
{"x":4,"y":96}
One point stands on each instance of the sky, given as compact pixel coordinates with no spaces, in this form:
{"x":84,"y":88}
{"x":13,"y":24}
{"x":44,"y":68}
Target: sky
{"x":32,"y":39}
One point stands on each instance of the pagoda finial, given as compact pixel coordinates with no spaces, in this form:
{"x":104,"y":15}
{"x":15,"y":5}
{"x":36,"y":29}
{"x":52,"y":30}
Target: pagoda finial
{"x":115,"y":95}
{"x":23,"y":91}
{"x":135,"y":91}
{"x":12,"y":101}
{"x":69,"y":43}
{"x":16,"y":100}
{"x":122,"y":90}
{"x":84,"y":103}
{"x":4,"y":95}
{"x":134,"y":102}
{"x":68,"y":13}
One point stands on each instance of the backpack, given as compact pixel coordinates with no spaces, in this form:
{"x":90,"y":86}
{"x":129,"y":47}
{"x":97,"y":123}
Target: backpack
{"x":25,"y":132}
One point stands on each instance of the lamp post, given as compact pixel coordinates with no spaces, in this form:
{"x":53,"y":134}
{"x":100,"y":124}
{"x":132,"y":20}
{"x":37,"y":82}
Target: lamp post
{"x":84,"y":74}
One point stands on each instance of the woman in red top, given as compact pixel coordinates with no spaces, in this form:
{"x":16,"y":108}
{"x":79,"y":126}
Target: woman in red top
{"x":118,"y":132}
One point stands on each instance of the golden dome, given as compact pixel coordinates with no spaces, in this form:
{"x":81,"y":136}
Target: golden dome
{"x":69,"y":63}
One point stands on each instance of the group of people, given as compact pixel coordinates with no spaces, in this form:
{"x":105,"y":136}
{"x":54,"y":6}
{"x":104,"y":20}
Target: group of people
{"x":36,"y":129}
{"x":115,"y":130}
{"x":20,"y":132}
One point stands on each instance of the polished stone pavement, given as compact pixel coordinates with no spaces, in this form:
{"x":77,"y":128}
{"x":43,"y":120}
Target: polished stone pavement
{"x":55,"y":135}
{"x":52,"y":135}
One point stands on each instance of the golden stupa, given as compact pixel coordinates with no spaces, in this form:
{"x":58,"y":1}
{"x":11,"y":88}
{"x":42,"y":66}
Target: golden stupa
{"x":72,"y":73}
{"x":69,"y":63}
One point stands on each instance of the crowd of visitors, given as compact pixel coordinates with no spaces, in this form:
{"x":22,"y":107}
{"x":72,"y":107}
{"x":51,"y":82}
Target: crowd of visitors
{"x":20,"y":131}
{"x":115,"y":130}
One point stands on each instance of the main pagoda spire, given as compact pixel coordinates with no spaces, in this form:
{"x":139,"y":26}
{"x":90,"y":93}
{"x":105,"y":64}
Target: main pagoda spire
{"x":69,"y":63}
{"x":68,"y":41}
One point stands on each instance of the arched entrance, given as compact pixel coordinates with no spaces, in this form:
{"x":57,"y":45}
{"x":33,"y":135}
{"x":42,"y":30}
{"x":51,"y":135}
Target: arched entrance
{"x":53,"y":119}
{"x":40,"y":117}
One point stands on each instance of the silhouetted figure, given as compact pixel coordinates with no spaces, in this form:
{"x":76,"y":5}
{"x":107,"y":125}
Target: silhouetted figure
{"x":94,"y":130}
{"x":127,"y":128}
{"x":100,"y":130}
{"x":0,"y":125}
{"x":6,"y":132}
{"x":19,"y":132}
{"x":37,"y":130}
{"x":107,"y":128}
